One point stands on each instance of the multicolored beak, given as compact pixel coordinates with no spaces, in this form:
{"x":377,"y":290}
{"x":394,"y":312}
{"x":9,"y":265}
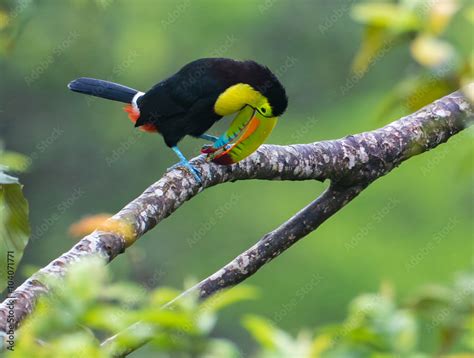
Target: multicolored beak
{"x":247,"y":132}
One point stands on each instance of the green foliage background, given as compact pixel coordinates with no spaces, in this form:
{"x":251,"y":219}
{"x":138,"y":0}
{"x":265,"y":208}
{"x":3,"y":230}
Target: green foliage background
{"x":409,"y":228}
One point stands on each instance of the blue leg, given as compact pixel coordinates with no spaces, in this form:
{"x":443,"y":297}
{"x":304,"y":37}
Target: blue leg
{"x":184,"y":162}
{"x":208,"y":137}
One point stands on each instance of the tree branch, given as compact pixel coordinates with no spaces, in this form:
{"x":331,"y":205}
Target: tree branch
{"x":246,"y":264}
{"x":274,"y":243}
{"x":351,"y":163}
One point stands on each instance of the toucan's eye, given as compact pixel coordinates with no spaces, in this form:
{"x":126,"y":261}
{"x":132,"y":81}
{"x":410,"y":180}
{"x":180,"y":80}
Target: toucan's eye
{"x":263,"y":109}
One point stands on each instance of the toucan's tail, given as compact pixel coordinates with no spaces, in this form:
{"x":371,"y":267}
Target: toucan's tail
{"x":115,"y":92}
{"x":103,"y":89}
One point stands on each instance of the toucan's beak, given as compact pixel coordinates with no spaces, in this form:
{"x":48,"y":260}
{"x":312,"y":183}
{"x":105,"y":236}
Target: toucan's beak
{"x":247,"y":132}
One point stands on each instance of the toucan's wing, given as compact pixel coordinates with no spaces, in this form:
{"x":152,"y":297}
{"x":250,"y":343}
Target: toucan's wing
{"x":195,"y":85}
{"x":158,"y":105}
{"x":197,"y":120}
{"x":179,"y":96}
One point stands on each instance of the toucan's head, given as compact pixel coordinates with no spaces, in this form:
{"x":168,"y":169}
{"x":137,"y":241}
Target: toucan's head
{"x":258,"y":100}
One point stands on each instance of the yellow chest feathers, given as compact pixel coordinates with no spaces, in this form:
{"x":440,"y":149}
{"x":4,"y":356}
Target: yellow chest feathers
{"x":236,"y":97}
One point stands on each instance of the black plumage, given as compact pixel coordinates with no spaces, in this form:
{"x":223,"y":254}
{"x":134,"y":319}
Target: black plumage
{"x":183,"y":104}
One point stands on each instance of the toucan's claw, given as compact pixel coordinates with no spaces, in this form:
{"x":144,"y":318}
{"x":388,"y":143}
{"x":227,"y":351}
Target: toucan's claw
{"x":193,"y":170}
{"x":185,"y":163}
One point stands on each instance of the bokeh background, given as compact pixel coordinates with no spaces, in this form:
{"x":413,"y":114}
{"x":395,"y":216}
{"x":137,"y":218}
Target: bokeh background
{"x":412,"y":227}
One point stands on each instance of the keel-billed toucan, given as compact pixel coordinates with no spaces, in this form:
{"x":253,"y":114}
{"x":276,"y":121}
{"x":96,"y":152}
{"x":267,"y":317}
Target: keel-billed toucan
{"x":198,"y":95}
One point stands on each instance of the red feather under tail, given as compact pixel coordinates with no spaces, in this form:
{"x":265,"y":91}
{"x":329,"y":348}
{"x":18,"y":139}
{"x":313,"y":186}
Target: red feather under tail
{"x":134,"y":114}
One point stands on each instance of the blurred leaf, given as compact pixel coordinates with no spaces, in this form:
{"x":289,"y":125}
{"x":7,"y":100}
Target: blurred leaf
{"x":71,"y":344}
{"x":138,"y":334}
{"x":125,"y":292}
{"x":3,"y":19}
{"x":87,"y":225}
{"x":208,"y":308}
{"x":205,"y":321}
{"x":440,"y":14}
{"x":109,"y":318}
{"x":469,"y":14}
{"x":261,"y":330}
{"x":78,"y":278}
{"x":169,"y":342}
{"x":375,"y":38}
{"x":467,"y":83}
{"x":13,"y":161}
{"x":431,"y":52}
{"x":367,"y":336}
{"x":370,"y":306}
{"x":464,"y":288}
{"x":467,"y":340}
{"x":228,"y":297}
{"x":19,"y":13}
{"x":162,"y":296}
{"x":167,"y":318}
{"x":403,"y":331}
{"x":14,"y":226}
{"x":321,"y":343}
{"x":221,"y":348}
{"x":430,"y":297}
{"x":386,"y":15}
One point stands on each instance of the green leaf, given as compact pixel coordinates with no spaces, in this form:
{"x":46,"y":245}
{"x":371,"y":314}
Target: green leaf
{"x":221,"y":348}
{"x":109,"y":318}
{"x":432,"y":52}
{"x":71,"y":344}
{"x":164,"y":341}
{"x":467,"y":340}
{"x":14,"y":226}
{"x":14,"y":161}
{"x":403,"y":331}
{"x":78,"y":279}
{"x":229,"y":297}
{"x":386,"y":15}
{"x":169,"y":319}
{"x":431,"y":297}
{"x":162,"y":296}
{"x":367,"y":336}
{"x":262,"y":330}
{"x":125,"y":292}
{"x":376,"y":42}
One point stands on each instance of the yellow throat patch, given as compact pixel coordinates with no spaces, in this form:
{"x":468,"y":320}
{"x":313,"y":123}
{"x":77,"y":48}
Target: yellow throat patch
{"x":234,"y":98}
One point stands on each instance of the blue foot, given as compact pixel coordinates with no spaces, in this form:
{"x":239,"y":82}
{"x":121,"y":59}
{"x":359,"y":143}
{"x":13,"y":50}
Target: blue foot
{"x":190,"y":168}
{"x":193,"y":170}
{"x":185,"y":163}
